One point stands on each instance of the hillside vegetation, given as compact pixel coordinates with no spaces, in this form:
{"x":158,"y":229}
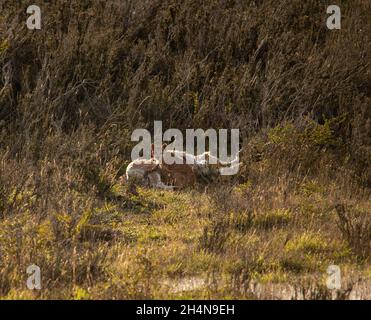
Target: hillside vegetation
{"x":72,"y":93}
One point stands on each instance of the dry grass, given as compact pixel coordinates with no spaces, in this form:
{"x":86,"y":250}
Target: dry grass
{"x":71,"y":94}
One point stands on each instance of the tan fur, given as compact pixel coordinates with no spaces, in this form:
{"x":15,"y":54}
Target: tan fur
{"x":146,"y":172}
{"x":179,"y":175}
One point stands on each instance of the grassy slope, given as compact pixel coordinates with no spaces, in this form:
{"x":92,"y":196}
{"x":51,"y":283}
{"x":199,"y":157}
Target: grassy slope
{"x":186,"y":245}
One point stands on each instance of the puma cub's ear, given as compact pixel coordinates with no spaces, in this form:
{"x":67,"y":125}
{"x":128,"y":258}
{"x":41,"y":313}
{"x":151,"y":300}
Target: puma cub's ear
{"x":207,"y":156}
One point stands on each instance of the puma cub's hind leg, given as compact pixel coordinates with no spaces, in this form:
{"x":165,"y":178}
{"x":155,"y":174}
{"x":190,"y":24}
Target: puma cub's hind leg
{"x":184,"y":179}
